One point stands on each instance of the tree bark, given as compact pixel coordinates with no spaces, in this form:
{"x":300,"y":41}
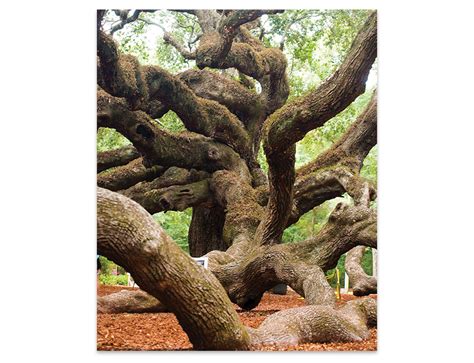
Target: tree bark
{"x":125,"y":176}
{"x":205,"y":231}
{"x":130,"y":237}
{"x":117,"y":157}
{"x":362,"y":284}
{"x":131,"y":302}
{"x":318,"y":324}
{"x":238,"y":215}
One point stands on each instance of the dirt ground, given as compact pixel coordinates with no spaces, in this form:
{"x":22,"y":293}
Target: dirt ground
{"x":161,"y":331}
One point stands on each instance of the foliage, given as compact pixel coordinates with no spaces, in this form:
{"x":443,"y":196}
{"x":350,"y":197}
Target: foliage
{"x":171,"y":122}
{"x":113,"y":279}
{"x":109,"y":139}
{"x":106,"y":266}
{"x":176,"y":224}
{"x":310,"y":223}
{"x":106,"y":276}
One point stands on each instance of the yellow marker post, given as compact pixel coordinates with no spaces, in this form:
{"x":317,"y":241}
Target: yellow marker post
{"x":338,"y":284}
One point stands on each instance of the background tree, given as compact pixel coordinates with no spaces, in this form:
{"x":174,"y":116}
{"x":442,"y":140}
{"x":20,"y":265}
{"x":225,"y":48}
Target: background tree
{"x":243,"y":196}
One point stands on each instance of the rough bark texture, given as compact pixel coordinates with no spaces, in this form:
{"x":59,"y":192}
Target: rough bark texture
{"x":127,"y":301}
{"x":129,"y":236}
{"x":125,"y":176}
{"x":239,"y":213}
{"x":318,"y":324}
{"x":205,"y":231}
{"x":362,"y":284}
{"x":122,"y":156}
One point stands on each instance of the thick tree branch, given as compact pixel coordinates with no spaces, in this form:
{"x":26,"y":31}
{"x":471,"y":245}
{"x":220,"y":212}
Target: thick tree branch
{"x":176,"y":189}
{"x":129,"y":236}
{"x":336,"y":170}
{"x":242,"y":102}
{"x":159,"y":147}
{"x":127,"y":301}
{"x":362,"y":284}
{"x":125,"y":176}
{"x":289,"y":124}
{"x":122,"y":76}
{"x":176,"y":197}
{"x":199,"y":115}
{"x":249,"y":274}
{"x":321,"y":324}
{"x":117,"y":157}
{"x":243,"y":213}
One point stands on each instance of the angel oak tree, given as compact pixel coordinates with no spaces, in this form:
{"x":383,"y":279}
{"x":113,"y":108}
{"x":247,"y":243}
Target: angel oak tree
{"x":239,"y":212}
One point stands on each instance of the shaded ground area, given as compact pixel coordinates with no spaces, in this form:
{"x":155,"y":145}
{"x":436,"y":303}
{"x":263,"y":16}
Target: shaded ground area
{"x":161,"y":331}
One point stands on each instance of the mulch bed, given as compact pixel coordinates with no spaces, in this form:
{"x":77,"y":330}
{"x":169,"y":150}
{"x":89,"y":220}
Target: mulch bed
{"x":161,"y":331}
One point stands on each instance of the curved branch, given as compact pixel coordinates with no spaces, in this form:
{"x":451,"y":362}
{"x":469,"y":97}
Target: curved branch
{"x":125,"y":176}
{"x":362,"y":284}
{"x":176,"y":197}
{"x":122,"y":76}
{"x":336,"y":170}
{"x":117,"y":157}
{"x":241,"y":101}
{"x":290,"y":123}
{"x":162,"y":148}
{"x":243,"y":213}
{"x":318,"y":324}
{"x":246,"y":276}
{"x":199,"y":115}
{"x":130,"y":237}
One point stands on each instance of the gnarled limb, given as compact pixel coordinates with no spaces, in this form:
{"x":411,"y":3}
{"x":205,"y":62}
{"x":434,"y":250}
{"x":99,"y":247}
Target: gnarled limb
{"x":126,"y":301}
{"x":362,"y":284}
{"x":243,"y":213}
{"x":300,"y":265}
{"x":199,"y":115}
{"x":122,"y":76}
{"x":290,"y":123}
{"x":318,"y":324}
{"x":336,"y":170}
{"x":117,"y":157}
{"x":128,"y":235}
{"x":176,"y":189}
{"x":163,"y":148}
{"x":281,"y":180}
{"x":125,"y":176}
{"x":242,"y":102}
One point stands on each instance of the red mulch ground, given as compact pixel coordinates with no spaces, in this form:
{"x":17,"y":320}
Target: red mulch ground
{"x":161,"y":331}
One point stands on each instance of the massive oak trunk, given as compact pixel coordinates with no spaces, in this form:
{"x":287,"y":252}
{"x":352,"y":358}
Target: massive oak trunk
{"x":128,"y":235}
{"x":239,"y":212}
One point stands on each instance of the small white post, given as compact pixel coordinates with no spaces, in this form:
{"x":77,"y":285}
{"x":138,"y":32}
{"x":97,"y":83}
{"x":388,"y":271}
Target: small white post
{"x":346,"y":281}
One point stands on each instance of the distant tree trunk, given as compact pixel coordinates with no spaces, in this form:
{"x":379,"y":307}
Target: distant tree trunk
{"x":205,"y":231}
